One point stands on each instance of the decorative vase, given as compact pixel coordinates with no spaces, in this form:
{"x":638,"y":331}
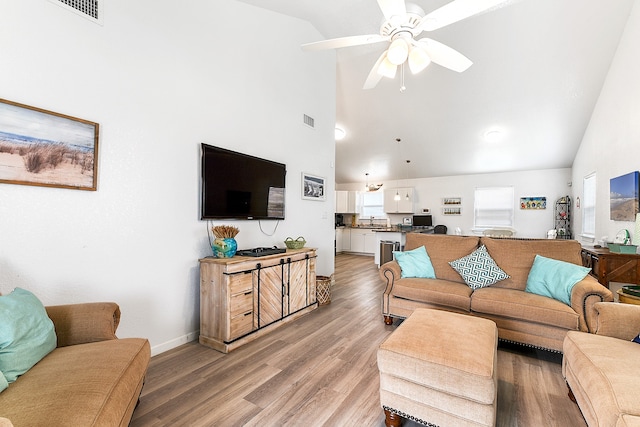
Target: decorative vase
{"x":224,"y":248}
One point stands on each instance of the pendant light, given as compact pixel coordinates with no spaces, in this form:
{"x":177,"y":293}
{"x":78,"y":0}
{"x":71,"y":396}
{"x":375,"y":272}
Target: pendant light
{"x":407,"y":196}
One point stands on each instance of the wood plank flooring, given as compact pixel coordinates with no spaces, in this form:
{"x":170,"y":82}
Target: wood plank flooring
{"x":320,"y":370}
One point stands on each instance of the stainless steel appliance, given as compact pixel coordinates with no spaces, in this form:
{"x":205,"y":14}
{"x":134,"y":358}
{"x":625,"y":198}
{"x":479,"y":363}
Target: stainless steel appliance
{"x":386,"y":250}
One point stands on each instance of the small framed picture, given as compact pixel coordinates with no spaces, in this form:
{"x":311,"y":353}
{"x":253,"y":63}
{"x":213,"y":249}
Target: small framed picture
{"x":313,"y":187}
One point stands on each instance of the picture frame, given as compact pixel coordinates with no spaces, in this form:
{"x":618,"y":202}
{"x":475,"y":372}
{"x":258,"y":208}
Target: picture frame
{"x":624,"y":201}
{"x":313,"y":187}
{"x":533,"y":203}
{"x":448,"y":201}
{"x":447,"y":211}
{"x":43,"y":148}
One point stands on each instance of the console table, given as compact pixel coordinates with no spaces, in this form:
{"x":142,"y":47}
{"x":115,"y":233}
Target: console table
{"x":609,"y":266}
{"x":243,"y":298}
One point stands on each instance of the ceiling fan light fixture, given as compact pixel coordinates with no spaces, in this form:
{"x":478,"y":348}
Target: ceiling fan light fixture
{"x":387,"y":69}
{"x":398,"y":51}
{"x":418,"y":60}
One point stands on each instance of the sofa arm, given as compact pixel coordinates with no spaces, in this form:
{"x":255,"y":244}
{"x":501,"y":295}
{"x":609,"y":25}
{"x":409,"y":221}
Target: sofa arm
{"x":84,"y":323}
{"x":618,"y":320}
{"x":390,"y":272}
{"x":584,"y":295}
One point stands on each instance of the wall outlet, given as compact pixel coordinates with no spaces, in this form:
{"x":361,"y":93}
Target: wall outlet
{"x":426,"y":210}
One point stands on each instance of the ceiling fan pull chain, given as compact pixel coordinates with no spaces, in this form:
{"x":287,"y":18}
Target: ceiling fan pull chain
{"x":402,"y":86}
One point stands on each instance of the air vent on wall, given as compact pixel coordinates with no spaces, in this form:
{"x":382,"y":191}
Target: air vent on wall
{"x":90,"y":9}
{"x":309,"y":121}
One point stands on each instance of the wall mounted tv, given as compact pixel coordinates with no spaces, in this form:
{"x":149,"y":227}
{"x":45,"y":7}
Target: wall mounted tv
{"x":240,"y":186}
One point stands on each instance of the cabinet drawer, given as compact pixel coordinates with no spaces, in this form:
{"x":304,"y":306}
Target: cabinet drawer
{"x":240,"y":282}
{"x":241,"y":324}
{"x":240,"y":303}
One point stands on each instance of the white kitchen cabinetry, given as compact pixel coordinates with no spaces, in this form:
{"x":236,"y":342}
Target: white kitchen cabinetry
{"x":363,"y":241}
{"x":346,"y":201}
{"x":339,"y":239}
{"x":346,"y":239}
{"x":398,"y":206}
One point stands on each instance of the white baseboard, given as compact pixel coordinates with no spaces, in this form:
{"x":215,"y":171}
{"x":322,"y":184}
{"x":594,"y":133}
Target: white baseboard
{"x":161,"y":348}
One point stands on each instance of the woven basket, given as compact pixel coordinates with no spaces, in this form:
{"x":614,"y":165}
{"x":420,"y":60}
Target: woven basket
{"x":295,"y":244}
{"x":323,"y":290}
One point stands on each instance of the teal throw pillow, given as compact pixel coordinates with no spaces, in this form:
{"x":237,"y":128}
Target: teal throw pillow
{"x":478,"y":269}
{"x":415,"y":263}
{"x":554,"y":279}
{"x":26,"y":333}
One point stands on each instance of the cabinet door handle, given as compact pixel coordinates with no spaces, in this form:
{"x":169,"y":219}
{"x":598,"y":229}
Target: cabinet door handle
{"x":248,"y":292}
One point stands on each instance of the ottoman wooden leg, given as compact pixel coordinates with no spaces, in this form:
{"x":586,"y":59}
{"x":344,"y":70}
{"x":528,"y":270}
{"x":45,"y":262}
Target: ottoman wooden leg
{"x":388,"y":320}
{"x":392,"y":419}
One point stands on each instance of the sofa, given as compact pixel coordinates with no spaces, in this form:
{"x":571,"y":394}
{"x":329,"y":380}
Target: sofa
{"x":601,"y":368}
{"x":522,"y":317}
{"x":90,"y":378}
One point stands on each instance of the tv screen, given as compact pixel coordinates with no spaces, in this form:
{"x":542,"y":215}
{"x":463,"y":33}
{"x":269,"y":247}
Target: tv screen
{"x":240,"y":186}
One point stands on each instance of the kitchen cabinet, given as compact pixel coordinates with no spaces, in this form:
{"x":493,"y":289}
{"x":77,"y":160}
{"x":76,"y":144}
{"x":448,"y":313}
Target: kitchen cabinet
{"x":243,"y":298}
{"x":363,"y":240}
{"x":346,"y":201}
{"x":346,"y":239}
{"x":339,"y":239}
{"x":398,"y":206}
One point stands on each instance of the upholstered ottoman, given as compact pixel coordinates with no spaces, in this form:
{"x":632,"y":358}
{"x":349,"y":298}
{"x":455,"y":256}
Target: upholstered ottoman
{"x":440,"y":369}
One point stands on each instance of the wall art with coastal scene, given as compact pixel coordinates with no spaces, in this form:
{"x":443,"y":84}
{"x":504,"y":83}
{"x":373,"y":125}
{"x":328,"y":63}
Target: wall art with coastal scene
{"x":43,"y":148}
{"x":623,"y":192}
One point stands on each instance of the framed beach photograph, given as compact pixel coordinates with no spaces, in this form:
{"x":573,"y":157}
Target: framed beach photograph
{"x":624,"y":200}
{"x":43,"y":148}
{"x":313,"y":187}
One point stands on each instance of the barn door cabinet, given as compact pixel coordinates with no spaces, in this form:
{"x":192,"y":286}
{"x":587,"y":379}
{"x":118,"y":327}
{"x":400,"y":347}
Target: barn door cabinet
{"x":243,"y":298}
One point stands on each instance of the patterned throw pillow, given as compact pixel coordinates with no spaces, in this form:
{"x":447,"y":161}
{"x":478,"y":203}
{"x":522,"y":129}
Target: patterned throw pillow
{"x":478,"y":269}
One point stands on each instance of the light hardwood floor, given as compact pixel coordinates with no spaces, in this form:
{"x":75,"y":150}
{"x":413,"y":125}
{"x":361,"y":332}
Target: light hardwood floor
{"x":320,"y":370}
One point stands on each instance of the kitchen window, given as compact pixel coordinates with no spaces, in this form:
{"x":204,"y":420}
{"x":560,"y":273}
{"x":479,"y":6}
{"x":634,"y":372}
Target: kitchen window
{"x":589,"y":206}
{"x":372,"y":204}
{"x":493,"y":207}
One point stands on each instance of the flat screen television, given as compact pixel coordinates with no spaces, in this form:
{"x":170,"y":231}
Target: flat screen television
{"x":240,"y":186}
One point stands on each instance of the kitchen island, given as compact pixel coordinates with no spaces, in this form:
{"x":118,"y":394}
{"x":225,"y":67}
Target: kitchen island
{"x":365,"y":240}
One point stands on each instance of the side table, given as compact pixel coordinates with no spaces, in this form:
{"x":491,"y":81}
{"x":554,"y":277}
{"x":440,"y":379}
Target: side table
{"x":628,"y":299}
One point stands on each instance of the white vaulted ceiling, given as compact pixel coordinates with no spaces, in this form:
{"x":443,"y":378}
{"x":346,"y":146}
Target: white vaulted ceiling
{"x":538,"y":68}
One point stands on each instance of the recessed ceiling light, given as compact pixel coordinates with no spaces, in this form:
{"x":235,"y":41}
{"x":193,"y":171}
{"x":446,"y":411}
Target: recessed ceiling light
{"x":340,"y":133}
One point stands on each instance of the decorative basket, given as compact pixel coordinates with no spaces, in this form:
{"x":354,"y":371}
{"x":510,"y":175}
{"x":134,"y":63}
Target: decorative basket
{"x":295,"y":244}
{"x":323,"y":290}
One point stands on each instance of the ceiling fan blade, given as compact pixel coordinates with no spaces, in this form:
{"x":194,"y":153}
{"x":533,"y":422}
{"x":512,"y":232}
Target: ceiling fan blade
{"x":345,"y":42}
{"x":455,"y":11}
{"x":444,"y":55}
{"x":392,"y":8}
{"x":374,"y":76}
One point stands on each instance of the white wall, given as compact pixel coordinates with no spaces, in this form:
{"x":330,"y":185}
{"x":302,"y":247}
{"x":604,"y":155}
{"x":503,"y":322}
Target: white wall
{"x":550,"y":183}
{"x":159,"y":78}
{"x":611,"y":144}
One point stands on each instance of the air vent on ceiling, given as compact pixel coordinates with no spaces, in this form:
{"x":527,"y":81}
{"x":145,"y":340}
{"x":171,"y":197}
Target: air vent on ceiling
{"x":309,"y":121}
{"x":90,"y":9}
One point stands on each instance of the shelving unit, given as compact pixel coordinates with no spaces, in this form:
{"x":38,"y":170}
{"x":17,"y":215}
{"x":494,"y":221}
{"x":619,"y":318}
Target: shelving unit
{"x":562,"y":217}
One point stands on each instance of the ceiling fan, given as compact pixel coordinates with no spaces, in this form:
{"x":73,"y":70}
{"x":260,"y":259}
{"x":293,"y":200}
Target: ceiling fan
{"x":403,"y":22}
